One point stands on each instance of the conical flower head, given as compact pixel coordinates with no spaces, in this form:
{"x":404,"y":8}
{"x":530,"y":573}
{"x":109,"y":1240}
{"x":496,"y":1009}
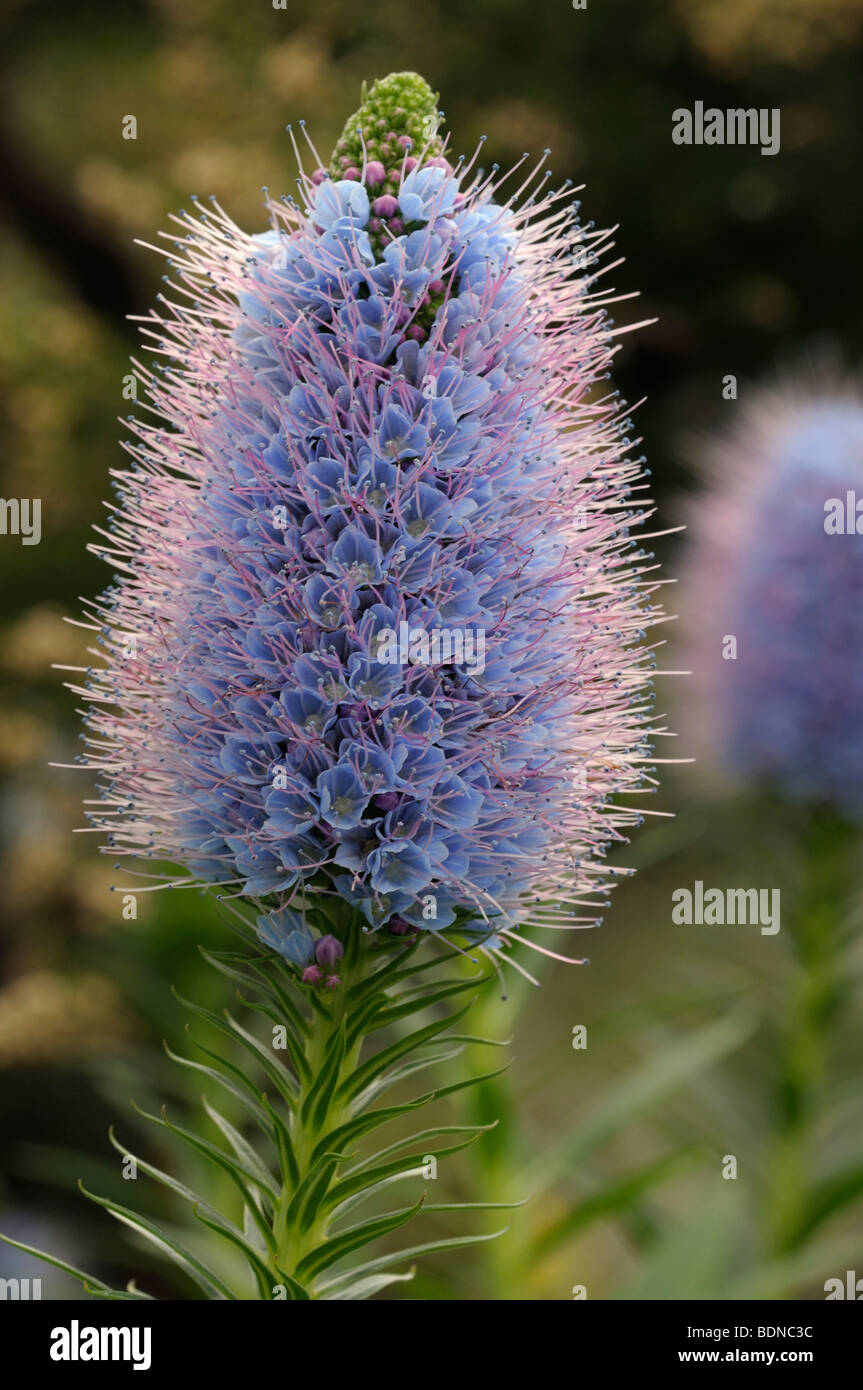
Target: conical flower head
{"x":375,"y":550}
{"x":772,"y":597}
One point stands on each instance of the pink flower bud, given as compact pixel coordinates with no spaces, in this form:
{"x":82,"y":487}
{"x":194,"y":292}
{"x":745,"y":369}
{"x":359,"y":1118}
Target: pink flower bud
{"x":328,"y":950}
{"x":352,"y":172}
{"x":332,"y":982}
{"x":399,"y":927}
{"x":436,"y":287}
{"x":385,"y":206}
{"x":375,"y":173}
{"x":318,"y":177}
{"x":397,"y":226}
{"x":312,"y":975}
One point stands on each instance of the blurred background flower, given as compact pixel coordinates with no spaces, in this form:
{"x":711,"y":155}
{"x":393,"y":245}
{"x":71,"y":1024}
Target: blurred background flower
{"x":776,"y":648}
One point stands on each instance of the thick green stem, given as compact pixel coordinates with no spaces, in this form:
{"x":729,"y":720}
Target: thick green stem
{"x":493,"y":1162}
{"x":293,"y":1243}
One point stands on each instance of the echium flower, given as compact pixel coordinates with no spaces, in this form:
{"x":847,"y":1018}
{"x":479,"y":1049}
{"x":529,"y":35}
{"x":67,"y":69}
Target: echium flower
{"x":772,"y":596}
{"x":373,"y":660}
{"x":375,"y":554}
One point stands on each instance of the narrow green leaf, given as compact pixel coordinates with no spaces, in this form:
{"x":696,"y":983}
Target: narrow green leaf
{"x":344,"y":1135}
{"x":214,"y":1219}
{"x":166,"y":1180}
{"x":480,"y":1042}
{"x":440,"y":1091}
{"x":422,"y":966}
{"x":205,"y":1278}
{"x":359,"y":1198}
{"x":431,"y":1133}
{"x":243,"y":1149}
{"x":366,"y":1288}
{"x":414,"y":1251}
{"x":353,"y":1239}
{"x":361,"y":1020}
{"x":366,"y":1073}
{"x":284,"y":1000}
{"x":287,"y":1157}
{"x":358,"y":1182}
{"x":225,"y":961}
{"x":247,"y":1155}
{"x":263,"y":1277}
{"x":427,"y":997}
{"x":298,"y":1294}
{"x":281,"y":1078}
{"x":293,"y":1044}
{"x":316,"y":1103}
{"x":477,"y":1206}
{"x":306,"y":1200}
{"x":89,"y":1280}
{"x":374,"y":984}
{"x":249,"y":1104}
{"x":236,"y":1170}
{"x":116,"y":1295}
{"x":245,"y":1082}
{"x":425,"y":1063}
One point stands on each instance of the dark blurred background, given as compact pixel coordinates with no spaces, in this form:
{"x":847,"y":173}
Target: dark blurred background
{"x":746,"y":261}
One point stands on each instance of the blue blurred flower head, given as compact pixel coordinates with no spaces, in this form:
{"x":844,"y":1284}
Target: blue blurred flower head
{"x":773,"y":598}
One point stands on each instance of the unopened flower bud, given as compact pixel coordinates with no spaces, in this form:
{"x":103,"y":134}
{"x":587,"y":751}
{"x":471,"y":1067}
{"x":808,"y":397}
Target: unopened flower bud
{"x":328,"y":950}
{"x":385,"y":206}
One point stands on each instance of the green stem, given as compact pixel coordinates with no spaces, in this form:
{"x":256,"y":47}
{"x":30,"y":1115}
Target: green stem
{"x":304,"y":1221}
{"x":828,"y":851}
{"x":495,"y":1167}
{"x":293,"y":1243}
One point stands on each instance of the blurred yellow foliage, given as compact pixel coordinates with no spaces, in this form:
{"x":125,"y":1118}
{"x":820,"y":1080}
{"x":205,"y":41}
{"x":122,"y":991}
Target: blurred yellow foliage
{"x":738,"y":34}
{"x":46,"y":1017}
